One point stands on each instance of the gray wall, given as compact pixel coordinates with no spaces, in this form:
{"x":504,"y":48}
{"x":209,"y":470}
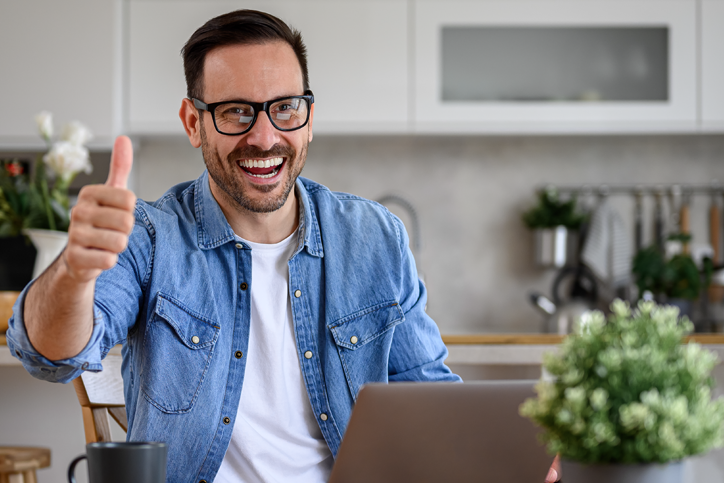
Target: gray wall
{"x":469,"y":192}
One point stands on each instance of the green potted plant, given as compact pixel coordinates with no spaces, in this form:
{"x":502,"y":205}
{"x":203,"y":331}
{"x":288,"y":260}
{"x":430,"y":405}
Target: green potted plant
{"x":38,"y":206}
{"x":627,"y":400}
{"x":555,"y":224}
{"x":676,"y":280}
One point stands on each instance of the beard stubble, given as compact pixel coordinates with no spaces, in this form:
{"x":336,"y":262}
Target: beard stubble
{"x":235,"y":191}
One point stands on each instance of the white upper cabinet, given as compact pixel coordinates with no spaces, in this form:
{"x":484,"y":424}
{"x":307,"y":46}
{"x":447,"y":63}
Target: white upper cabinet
{"x":495,"y":66}
{"x":712,"y":65}
{"x":60,"y":57}
{"x":357,"y":55}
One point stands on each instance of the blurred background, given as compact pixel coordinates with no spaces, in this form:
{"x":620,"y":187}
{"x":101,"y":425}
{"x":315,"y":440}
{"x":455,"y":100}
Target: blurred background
{"x":464,"y":110}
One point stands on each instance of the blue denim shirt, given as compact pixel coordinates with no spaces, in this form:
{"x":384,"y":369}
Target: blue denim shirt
{"x":179,"y":302}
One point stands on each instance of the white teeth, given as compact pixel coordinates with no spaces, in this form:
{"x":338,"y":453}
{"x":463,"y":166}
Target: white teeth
{"x":264,"y":176}
{"x":261,"y":163}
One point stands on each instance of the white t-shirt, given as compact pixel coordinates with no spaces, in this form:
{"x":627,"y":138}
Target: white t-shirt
{"x":276,"y":437}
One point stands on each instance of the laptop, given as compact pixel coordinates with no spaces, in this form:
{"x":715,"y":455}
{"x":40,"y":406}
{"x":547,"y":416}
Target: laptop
{"x":441,"y":432}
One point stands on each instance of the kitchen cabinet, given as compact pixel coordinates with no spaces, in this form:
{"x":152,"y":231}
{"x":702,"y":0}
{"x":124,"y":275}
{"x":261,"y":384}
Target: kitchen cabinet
{"x":60,"y":57}
{"x":712,"y":65}
{"x":536,"y":66}
{"x":357,"y":54}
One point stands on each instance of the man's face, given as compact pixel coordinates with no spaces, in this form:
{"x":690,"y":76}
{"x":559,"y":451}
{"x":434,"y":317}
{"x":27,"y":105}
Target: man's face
{"x":255,"y":73}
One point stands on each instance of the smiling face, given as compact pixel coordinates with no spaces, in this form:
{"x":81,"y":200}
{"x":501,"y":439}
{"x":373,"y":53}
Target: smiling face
{"x":255,"y":171}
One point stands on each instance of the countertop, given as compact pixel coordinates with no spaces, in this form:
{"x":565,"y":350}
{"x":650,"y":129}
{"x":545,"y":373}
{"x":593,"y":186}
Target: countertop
{"x":484,"y":349}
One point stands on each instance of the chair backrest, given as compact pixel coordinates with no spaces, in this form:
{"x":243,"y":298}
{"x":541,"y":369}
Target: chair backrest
{"x":100,"y":394}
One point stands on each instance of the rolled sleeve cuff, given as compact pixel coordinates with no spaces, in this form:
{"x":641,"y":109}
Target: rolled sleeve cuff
{"x":40,"y":367}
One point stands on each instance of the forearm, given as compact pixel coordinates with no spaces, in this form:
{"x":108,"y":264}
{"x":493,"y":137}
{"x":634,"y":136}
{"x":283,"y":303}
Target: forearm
{"x":58,"y":312}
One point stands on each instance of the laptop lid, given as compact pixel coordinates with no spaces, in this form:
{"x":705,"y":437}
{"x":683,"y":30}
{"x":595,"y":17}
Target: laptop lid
{"x":433,"y":432}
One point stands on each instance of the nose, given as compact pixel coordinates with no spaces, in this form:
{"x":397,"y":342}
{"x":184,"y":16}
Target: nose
{"x":263,"y":135}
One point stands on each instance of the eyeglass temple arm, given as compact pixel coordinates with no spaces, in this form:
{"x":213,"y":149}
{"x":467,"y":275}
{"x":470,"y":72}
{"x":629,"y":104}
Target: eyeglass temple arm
{"x":200,"y":105}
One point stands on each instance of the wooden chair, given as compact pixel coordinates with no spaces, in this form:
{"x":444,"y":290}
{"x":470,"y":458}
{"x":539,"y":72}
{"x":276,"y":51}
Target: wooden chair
{"x":18,"y":464}
{"x":101,"y":394}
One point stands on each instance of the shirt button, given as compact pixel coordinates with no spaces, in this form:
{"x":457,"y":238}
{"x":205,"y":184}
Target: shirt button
{"x":195,"y":339}
{"x":239,"y":246}
{"x":297,"y":293}
{"x":243,"y":286}
{"x":227,"y":420}
{"x":238,"y":354}
{"x":308,"y":354}
{"x":323,"y":417}
{"x":353,"y":339}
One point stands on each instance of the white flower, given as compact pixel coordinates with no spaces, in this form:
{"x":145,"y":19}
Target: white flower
{"x":67,"y":159}
{"x":646,"y":306}
{"x":45,"y":124}
{"x":590,"y":323}
{"x":599,"y":398}
{"x":621,"y":308}
{"x":576,"y":396}
{"x":76,"y":133}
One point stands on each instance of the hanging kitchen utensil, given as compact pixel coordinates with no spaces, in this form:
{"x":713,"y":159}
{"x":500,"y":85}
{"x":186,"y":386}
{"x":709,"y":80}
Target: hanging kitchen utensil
{"x":685,"y":217}
{"x":659,"y":219}
{"x":638,"y":219}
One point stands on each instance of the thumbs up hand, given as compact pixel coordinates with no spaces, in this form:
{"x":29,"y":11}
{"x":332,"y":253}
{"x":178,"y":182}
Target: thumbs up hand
{"x":102,"y":220}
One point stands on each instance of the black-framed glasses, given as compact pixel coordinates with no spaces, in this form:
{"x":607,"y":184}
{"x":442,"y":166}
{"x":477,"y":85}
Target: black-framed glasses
{"x":233,"y":118}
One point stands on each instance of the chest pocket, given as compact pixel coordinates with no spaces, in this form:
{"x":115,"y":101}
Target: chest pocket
{"x":177,"y":350}
{"x":363,"y":341}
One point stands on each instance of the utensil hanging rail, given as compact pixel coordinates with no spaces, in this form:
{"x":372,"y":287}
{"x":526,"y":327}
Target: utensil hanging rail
{"x":713,"y":188}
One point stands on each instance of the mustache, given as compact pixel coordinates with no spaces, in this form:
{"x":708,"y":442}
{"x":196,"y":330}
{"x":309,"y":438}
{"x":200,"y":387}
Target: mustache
{"x":245,"y":152}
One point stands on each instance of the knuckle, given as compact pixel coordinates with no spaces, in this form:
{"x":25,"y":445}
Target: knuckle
{"x":118,"y":244}
{"x":82,"y":212}
{"x":109,"y":261}
{"x":128,"y":222}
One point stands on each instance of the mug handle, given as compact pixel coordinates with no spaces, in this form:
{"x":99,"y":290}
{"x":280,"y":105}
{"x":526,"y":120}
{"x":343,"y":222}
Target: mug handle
{"x":71,"y":468}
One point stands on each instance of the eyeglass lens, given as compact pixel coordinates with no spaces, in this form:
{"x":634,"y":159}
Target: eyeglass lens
{"x":285,"y":114}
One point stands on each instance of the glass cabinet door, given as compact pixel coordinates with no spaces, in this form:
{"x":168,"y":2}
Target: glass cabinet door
{"x":548,"y":65}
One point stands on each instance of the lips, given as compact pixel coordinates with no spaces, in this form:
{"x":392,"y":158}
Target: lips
{"x":262,"y":168}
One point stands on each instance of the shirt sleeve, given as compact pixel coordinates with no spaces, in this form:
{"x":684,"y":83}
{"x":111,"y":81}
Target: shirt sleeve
{"x":118,"y":297}
{"x":417,"y":352}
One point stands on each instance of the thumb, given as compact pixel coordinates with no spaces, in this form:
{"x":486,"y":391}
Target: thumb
{"x":121,"y":163}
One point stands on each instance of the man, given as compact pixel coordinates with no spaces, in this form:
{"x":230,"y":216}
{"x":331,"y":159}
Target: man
{"x":252,"y":304}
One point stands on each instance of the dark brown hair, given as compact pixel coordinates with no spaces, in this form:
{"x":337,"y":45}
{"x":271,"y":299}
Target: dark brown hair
{"x":234,"y":28}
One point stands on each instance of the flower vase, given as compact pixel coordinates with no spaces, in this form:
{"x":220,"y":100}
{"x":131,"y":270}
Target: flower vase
{"x":50,"y":244}
{"x":573,"y":472}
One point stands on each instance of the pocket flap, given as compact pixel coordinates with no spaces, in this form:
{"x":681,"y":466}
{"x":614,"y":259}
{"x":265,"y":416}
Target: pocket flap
{"x":194,"y":330}
{"x":366,"y":324}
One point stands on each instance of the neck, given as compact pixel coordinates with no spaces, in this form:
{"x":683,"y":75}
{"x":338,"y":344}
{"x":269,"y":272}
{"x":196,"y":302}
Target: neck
{"x":266,"y":228}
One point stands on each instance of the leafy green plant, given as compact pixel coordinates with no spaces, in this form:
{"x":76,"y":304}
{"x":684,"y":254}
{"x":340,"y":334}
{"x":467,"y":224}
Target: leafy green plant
{"x":677,"y":277}
{"x":626,"y":390}
{"x":551,"y":212}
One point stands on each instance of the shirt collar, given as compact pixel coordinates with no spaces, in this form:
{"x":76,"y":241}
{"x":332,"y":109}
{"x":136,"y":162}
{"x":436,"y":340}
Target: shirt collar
{"x":214,"y":230}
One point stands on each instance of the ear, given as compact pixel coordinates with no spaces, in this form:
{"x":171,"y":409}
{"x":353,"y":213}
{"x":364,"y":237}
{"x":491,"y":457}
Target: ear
{"x":190,"y":119}
{"x":311,"y":118}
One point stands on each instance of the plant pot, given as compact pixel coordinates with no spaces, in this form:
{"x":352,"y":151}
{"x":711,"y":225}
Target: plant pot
{"x":17,"y":256}
{"x":49,"y":244}
{"x":556,"y":247}
{"x":573,"y":472}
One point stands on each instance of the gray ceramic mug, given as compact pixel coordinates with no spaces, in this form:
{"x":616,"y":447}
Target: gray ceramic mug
{"x":112,"y":462}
